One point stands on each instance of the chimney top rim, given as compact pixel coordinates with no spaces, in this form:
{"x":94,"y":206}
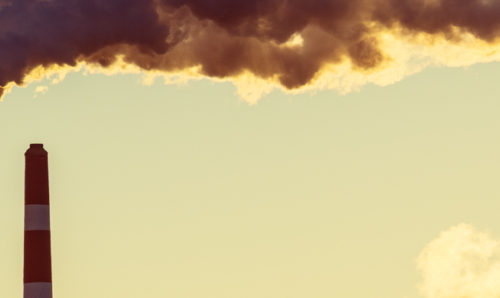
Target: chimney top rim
{"x":36,"y":149}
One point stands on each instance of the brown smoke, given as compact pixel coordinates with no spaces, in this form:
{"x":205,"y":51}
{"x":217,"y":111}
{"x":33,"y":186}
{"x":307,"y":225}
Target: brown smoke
{"x":225,"y":37}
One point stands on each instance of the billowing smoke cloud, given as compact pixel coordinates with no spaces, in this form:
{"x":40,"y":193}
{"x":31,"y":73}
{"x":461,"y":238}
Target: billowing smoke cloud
{"x":289,"y":43}
{"x":461,"y":262}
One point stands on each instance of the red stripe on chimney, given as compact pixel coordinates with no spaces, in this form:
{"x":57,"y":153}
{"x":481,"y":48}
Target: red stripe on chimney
{"x":36,"y":175}
{"x":37,"y":257}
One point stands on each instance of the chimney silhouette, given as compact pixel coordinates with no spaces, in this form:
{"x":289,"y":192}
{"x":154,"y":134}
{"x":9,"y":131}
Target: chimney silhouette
{"x":37,"y":260}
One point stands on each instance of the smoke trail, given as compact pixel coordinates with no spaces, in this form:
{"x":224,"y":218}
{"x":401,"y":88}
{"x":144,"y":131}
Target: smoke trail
{"x":296,"y":44}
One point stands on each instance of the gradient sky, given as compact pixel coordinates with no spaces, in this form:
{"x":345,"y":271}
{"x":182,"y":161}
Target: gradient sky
{"x":187,"y":191}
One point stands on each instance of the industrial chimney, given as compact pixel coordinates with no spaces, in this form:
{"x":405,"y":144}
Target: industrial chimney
{"x":37,"y":260}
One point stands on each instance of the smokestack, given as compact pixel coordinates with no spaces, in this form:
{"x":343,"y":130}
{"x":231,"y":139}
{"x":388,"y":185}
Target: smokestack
{"x":37,"y":260}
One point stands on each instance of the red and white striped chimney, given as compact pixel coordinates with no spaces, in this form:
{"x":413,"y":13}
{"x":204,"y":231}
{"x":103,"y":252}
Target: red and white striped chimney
{"x":37,"y":260}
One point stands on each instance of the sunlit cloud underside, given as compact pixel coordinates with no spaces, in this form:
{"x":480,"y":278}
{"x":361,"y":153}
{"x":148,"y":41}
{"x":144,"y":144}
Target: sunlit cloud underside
{"x":296,"y":46}
{"x":404,"y":57}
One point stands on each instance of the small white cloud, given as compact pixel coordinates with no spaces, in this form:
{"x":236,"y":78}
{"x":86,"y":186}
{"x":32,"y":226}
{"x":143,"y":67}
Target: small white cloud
{"x":42,"y":89}
{"x":461,"y":263}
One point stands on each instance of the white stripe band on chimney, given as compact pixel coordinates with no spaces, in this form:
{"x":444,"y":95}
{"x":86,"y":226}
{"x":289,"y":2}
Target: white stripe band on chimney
{"x":37,"y":218}
{"x":38,"y":289}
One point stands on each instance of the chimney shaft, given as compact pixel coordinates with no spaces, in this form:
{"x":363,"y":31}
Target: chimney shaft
{"x":37,"y":259}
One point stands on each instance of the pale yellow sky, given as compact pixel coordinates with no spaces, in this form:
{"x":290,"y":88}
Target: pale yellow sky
{"x":188,"y":191}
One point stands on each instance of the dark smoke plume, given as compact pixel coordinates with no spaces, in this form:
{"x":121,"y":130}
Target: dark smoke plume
{"x":225,"y":37}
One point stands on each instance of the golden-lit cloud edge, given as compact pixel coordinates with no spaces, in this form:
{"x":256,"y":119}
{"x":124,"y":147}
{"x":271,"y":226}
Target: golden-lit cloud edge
{"x":296,"y":46}
{"x":404,"y":55}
